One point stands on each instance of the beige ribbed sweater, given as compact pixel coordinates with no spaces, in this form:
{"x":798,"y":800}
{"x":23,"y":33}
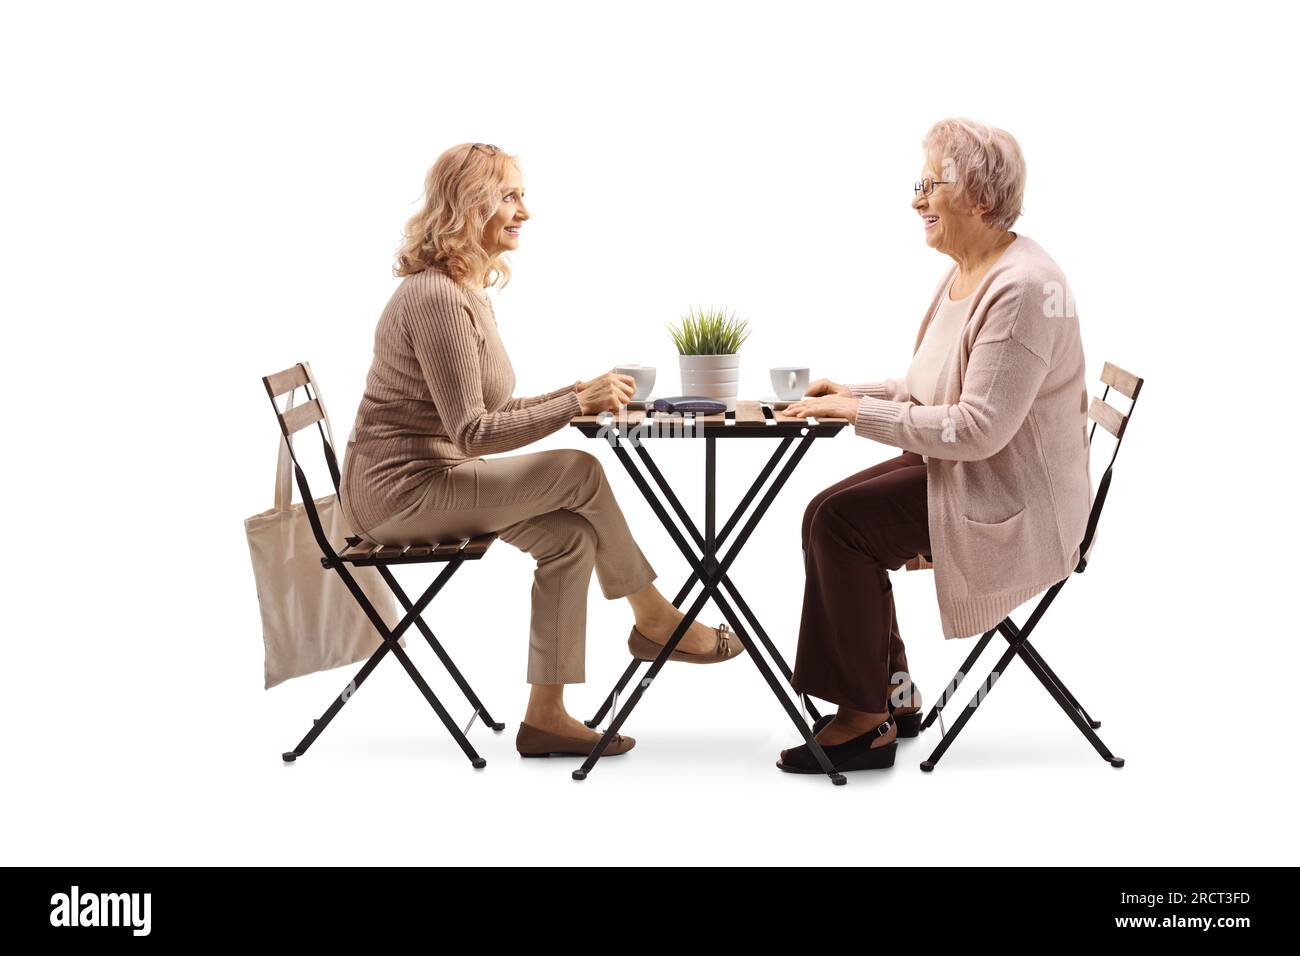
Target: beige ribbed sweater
{"x":1006,"y":439}
{"x":438,"y":394}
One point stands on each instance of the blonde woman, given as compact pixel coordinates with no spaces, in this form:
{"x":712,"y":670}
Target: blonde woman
{"x":439,"y":397}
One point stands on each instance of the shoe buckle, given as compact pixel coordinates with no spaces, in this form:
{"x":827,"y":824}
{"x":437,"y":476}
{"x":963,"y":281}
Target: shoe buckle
{"x":724,"y":641}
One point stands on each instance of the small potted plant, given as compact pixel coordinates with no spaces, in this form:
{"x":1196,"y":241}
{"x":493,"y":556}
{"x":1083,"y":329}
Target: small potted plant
{"x":707,"y":341}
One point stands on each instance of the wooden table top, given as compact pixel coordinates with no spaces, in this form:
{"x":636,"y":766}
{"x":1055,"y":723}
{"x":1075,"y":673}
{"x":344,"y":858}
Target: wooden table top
{"x":748,"y":420}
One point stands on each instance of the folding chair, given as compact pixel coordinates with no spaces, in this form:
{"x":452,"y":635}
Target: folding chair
{"x":1115,"y":422}
{"x":359,"y":553}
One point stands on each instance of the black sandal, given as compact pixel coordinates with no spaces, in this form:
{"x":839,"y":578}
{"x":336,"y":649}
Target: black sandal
{"x":909,"y":725}
{"x":854,"y":754}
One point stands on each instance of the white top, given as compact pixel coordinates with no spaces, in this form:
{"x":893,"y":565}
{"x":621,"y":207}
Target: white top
{"x":940,"y":338}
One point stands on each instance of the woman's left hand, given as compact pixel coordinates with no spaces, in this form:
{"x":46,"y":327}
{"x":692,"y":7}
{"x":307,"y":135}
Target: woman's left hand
{"x":824,"y":406}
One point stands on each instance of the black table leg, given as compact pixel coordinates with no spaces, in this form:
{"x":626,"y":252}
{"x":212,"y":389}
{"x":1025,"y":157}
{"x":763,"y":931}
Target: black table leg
{"x":712,"y":573}
{"x":642,"y":685}
{"x":682,"y":515}
{"x":671,"y":497}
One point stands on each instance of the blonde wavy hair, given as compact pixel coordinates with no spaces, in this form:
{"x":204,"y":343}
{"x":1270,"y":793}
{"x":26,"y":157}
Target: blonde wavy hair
{"x":461,"y":192}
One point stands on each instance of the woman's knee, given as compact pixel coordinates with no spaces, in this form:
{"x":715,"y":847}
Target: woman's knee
{"x":576,"y":535}
{"x":836,"y":522}
{"x":810,"y":512}
{"x":582,"y":470}
{"x":578,"y":461}
{"x":554,"y":536}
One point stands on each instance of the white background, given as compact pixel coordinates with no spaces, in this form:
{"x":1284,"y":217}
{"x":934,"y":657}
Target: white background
{"x":195,"y":196}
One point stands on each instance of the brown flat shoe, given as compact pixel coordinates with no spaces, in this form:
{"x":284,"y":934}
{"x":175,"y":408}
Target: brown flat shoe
{"x":531,"y":742}
{"x":727,"y":647}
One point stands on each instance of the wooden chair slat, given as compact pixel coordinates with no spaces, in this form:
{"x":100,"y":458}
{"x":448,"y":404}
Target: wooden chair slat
{"x":478,"y":546}
{"x":1126,"y":383}
{"x":300,"y":416}
{"x":354,"y":550}
{"x":419,"y":551}
{"x":448,"y":549}
{"x":1107,"y":417}
{"x":286,"y":381}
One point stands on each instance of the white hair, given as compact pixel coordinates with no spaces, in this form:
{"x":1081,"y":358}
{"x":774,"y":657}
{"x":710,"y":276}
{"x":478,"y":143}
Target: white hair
{"x":984,"y":162}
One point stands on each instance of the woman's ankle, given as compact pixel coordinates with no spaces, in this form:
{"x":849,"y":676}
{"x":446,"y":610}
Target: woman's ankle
{"x":863,"y":719}
{"x":547,"y":717}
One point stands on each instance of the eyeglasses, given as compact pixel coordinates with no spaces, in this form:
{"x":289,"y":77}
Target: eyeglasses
{"x":486,"y":147}
{"x":926,"y":186}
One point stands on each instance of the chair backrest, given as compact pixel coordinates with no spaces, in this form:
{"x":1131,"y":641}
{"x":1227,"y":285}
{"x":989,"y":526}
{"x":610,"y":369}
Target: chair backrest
{"x":294,"y":418}
{"x":1115,"y":422}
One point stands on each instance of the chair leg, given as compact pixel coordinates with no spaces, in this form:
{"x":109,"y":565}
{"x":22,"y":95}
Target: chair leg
{"x":391,"y":644}
{"x":951,"y":690}
{"x":1070,"y":706}
{"x":322,"y":722}
{"x":1018,"y":645}
{"x":479,"y":708}
{"x":985,"y":688}
{"x":1029,"y":649}
{"x":478,"y":762}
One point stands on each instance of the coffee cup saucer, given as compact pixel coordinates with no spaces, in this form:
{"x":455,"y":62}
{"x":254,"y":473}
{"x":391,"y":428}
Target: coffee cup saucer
{"x":778,"y":403}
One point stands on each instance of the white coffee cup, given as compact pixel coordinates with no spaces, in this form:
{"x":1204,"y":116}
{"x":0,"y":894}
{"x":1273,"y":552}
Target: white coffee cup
{"x":790,"y":382}
{"x":644,"y":376}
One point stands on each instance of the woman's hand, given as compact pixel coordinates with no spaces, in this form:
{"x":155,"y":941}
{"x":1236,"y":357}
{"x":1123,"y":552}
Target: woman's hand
{"x":824,"y":386}
{"x":606,"y":393}
{"x":826,"y":406}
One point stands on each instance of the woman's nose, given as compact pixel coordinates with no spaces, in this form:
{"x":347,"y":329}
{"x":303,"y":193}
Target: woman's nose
{"x":521,"y":211}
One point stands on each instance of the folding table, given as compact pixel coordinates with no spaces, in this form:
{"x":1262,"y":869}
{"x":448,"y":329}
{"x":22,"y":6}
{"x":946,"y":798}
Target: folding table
{"x":630,"y":429}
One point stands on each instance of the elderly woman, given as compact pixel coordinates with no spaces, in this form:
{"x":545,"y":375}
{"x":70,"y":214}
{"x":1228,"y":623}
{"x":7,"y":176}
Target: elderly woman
{"x":438,"y":398}
{"x":993,"y":483}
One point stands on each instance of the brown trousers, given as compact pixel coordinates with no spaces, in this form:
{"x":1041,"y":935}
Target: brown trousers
{"x":853,"y":533}
{"x":555,"y":505}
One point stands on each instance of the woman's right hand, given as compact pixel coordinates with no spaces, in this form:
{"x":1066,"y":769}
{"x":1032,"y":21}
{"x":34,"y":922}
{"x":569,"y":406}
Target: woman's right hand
{"x":824,"y":386}
{"x":606,"y":393}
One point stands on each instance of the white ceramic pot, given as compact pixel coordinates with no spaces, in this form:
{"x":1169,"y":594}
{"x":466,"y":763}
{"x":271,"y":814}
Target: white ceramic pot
{"x":713,"y":376}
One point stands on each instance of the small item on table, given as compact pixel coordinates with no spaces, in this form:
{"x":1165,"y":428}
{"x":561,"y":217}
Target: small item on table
{"x":697,"y":404}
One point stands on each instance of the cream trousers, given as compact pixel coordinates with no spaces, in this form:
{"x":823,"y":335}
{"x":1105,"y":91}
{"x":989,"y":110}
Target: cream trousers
{"x":555,"y":505}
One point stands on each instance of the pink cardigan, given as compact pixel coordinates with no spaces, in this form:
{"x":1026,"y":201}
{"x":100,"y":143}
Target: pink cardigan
{"x":1007,"y":442}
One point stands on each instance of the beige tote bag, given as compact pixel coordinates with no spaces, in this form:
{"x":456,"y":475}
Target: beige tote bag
{"x":310,"y":621}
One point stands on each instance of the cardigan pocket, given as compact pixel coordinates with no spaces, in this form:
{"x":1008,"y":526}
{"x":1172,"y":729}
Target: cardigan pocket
{"x":993,"y":556}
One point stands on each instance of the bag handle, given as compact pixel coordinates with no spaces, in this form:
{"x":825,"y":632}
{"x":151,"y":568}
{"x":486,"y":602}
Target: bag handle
{"x":283,"y":470}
